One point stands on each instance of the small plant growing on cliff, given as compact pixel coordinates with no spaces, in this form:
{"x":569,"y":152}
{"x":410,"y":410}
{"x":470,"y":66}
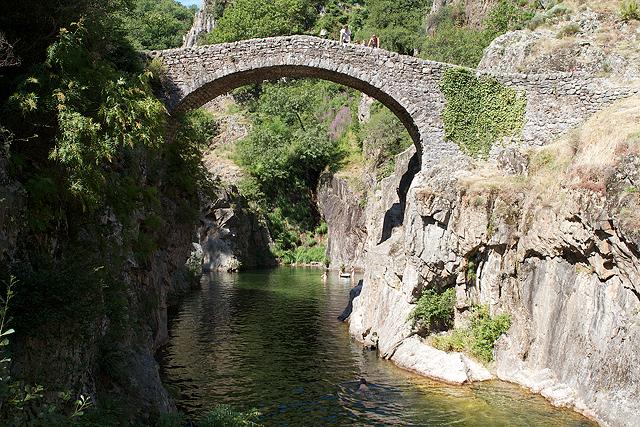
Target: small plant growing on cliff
{"x":434,"y":311}
{"x":472,"y":272}
{"x":569,"y":30}
{"x":479,"y":338}
{"x":629,"y":10}
{"x":485,"y":331}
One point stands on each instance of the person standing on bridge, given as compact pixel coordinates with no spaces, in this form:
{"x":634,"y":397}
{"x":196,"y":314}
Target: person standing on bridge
{"x":374,"y":41}
{"x":345,"y":35}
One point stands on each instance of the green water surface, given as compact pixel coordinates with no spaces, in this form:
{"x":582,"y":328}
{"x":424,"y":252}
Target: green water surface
{"x":270,"y":340}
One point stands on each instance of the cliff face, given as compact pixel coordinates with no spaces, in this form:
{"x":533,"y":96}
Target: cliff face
{"x":231,"y":236}
{"x":554,"y":247}
{"x":105,"y":345}
{"x":590,"y":38}
{"x":203,"y":23}
{"x":343,"y":211}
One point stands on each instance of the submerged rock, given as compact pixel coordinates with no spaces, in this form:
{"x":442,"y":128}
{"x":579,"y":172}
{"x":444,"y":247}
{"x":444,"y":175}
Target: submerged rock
{"x":416,"y":355}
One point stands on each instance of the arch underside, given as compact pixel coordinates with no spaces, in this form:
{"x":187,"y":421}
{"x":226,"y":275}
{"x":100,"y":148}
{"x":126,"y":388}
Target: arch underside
{"x":229,"y":82}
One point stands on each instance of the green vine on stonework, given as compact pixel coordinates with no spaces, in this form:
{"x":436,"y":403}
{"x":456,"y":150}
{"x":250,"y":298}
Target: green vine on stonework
{"x":479,"y":111}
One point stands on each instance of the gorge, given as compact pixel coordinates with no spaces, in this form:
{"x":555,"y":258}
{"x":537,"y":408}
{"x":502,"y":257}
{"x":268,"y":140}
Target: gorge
{"x":489,"y":203}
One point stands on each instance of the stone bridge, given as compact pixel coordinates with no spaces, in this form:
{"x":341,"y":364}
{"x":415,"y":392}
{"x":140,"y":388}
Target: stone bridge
{"x":408,"y":86}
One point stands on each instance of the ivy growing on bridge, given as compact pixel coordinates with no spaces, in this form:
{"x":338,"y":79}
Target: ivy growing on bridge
{"x":479,"y":111}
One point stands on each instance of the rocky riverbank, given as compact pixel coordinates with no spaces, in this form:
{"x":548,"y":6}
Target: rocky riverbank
{"x":554,"y":246}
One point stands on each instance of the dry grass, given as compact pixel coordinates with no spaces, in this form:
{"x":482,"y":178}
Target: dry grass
{"x":582,"y":159}
{"x":609,"y":134}
{"x":601,"y":6}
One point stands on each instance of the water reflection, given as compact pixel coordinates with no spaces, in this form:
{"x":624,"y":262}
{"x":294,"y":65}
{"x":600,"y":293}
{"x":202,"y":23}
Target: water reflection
{"x":271,"y":340}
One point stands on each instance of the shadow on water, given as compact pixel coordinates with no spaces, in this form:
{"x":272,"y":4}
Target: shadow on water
{"x":270,"y":340}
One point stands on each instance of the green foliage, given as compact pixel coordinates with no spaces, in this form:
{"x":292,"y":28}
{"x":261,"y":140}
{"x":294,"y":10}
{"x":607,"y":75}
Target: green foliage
{"x":450,"y":41}
{"x":456,"y":340}
{"x":289,"y":145}
{"x":472,"y":272}
{"x":226,"y":416}
{"x":296,"y":134}
{"x":453,"y":42}
{"x":485,"y":331}
{"x":87,"y":141}
{"x":23,"y":404}
{"x":308,"y":255}
{"x":247,"y":19}
{"x":479,"y":339}
{"x":479,"y":112}
{"x":456,"y":45}
{"x":629,"y":10}
{"x":186,"y":172}
{"x":508,"y":15}
{"x":384,"y":138}
{"x":220,"y":416}
{"x":398,"y":23}
{"x":322,"y":229}
{"x":157,"y":24}
{"x":552,"y":10}
{"x":434,"y":310}
{"x":33,"y":25}
{"x":339,"y":13}
{"x":98,"y":111}
{"x":569,"y":30}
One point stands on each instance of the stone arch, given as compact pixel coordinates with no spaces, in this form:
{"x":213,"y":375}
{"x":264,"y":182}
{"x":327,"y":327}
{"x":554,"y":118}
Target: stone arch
{"x":221,"y":85}
{"x":408,"y":86}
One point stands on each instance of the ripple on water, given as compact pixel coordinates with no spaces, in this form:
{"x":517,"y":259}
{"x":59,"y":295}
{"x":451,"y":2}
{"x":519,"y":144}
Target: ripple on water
{"x":270,"y":340}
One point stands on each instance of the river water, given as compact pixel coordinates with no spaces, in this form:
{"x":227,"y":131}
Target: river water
{"x":270,"y":340}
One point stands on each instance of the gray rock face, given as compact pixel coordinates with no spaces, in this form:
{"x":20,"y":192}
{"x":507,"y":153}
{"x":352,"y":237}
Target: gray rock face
{"x":203,"y":23}
{"x":550,"y":50}
{"x":563,"y":269}
{"x":232,"y":237}
{"x":344,"y":213}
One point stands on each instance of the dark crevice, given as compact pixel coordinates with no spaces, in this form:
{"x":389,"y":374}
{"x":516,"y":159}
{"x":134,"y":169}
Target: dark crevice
{"x":635,"y":292}
{"x":531,"y":253}
{"x":574,"y":258}
{"x":394,"y":216}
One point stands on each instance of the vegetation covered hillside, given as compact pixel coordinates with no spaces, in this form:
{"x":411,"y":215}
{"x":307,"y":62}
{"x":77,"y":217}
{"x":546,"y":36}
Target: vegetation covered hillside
{"x":299,"y":129}
{"x":88,"y":188}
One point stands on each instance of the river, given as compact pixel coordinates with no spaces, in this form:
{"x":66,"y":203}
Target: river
{"x":270,"y":340}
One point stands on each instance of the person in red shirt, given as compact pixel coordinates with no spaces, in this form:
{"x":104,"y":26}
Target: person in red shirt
{"x":374,"y":41}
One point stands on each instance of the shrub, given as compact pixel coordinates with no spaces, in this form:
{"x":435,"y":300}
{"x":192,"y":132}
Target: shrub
{"x":226,"y":416}
{"x":434,"y":311}
{"x":305,"y":255}
{"x":508,"y":15}
{"x":485,"y":331}
{"x":629,"y":10}
{"x":322,"y":229}
{"x":452,"y":42}
{"x":455,"y":341}
{"x":479,"y":339}
{"x":398,"y":23}
{"x":384,"y":138}
{"x":246,"y":19}
{"x":220,"y":416}
{"x":569,"y":30}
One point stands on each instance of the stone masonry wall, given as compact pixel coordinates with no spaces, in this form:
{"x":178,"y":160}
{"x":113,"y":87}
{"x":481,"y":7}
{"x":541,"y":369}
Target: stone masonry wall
{"x":408,"y":86}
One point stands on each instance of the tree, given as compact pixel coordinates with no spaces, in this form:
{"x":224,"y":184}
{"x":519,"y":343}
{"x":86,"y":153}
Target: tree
{"x":157,"y":24}
{"x":247,"y":19}
{"x":398,"y":23}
